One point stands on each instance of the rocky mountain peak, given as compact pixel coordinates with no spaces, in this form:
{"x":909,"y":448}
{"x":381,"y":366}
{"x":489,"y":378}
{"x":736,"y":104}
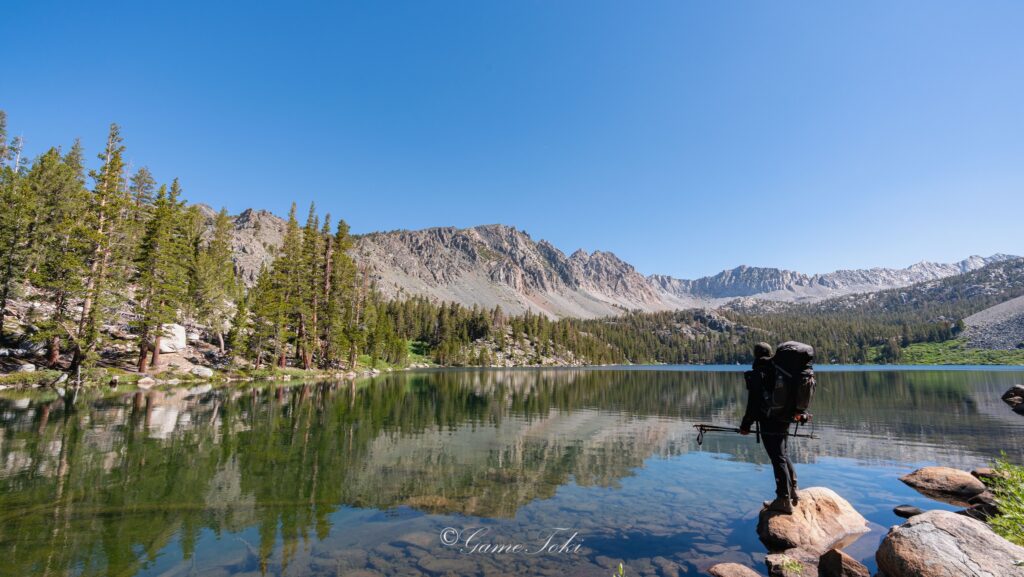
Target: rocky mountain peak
{"x":499,"y":265}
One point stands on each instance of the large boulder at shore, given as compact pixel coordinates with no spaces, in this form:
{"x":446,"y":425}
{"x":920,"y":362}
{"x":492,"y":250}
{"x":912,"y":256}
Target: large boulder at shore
{"x":945,"y":484}
{"x":941,"y":544}
{"x":1015,"y":398}
{"x":835,"y":563}
{"x":173,"y":339}
{"x":732,"y":570}
{"x":822,"y":520}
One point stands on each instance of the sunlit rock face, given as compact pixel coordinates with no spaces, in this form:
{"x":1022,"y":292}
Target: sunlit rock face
{"x":499,"y":265}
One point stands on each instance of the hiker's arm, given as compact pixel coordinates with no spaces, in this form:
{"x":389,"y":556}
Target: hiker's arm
{"x":749,"y":416}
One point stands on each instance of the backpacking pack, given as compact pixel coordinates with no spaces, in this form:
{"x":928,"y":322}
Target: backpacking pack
{"x":793,"y":386}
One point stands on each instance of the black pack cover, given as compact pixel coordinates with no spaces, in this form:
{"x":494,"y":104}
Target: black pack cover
{"x":793,"y":357}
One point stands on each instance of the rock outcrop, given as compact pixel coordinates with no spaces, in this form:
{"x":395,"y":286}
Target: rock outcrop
{"x":945,"y":484}
{"x":997,"y":327}
{"x":940,"y":544}
{"x":821,"y":521}
{"x":173,"y":339}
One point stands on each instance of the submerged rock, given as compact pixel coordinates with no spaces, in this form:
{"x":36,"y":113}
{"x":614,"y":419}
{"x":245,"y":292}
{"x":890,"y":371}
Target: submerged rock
{"x":835,"y":563}
{"x":822,"y":520}
{"x":732,"y":570}
{"x":907,"y":511}
{"x":945,"y":484}
{"x":941,"y":543}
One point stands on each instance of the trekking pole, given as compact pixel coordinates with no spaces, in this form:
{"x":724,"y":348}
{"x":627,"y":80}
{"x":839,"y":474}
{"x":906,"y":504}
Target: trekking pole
{"x":704,"y":428}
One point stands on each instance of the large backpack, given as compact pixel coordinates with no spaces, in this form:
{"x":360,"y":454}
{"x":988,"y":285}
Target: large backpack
{"x":791,"y":393}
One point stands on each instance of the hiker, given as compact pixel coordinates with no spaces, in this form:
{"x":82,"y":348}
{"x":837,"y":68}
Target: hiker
{"x":779,"y":388}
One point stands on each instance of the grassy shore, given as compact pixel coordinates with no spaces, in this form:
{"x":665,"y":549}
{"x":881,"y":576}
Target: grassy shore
{"x":957,"y":353}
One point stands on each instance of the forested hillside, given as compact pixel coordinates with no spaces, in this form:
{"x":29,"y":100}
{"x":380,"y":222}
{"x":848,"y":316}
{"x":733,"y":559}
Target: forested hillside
{"x":91,"y":259}
{"x":95,"y":265}
{"x":865,"y":328}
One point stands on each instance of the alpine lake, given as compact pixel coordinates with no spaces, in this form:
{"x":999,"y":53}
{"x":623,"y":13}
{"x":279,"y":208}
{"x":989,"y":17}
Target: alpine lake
{"x":548,"y":472}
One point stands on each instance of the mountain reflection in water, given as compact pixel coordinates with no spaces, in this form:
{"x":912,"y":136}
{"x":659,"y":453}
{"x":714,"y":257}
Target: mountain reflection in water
{"x":332,"y":479}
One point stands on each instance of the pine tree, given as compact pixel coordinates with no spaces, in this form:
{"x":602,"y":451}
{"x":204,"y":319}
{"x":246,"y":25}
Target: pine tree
{"x":216,"y":286}
{"x":141,"y":192}
{"x":267,"y":317}
{"x":58,"y":184}
{"x":163,"y":262}
{"x":105,"y":209}
{"x":289,"y":281}
{"x":309,"y":290}
{"x":19,"y":214}
{"x":339,"y":275}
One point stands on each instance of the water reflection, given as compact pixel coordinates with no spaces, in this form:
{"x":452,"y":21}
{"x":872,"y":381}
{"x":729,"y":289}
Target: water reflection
{"x":330,"y":478}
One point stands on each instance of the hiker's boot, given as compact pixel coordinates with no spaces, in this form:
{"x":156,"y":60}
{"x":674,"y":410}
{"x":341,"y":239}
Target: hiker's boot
{"x":794,"y":494}
{"x":780,"y":505}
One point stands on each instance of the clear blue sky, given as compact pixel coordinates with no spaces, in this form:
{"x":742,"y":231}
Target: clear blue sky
{"x":686,"y":137}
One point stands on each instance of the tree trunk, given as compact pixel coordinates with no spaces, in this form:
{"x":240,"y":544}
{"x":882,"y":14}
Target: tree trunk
{"x":143,"y":358}
{"x":53,"y":352}
{"x":156,"y":350}
{"x":220,"y":341}
{"x":282,"y":361}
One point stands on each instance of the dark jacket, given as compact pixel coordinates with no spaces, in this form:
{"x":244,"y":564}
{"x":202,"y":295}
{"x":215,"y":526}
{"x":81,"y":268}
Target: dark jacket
{"x":763,"y":377}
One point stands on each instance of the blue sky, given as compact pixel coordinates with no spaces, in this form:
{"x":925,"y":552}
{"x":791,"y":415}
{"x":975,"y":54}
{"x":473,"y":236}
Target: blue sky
{"x":686,"y":137}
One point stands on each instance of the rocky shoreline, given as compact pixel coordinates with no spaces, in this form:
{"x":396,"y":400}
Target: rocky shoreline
{"x":935,"y":543}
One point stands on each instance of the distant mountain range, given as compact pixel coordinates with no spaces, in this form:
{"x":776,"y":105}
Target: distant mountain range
{"x":499,"y":265}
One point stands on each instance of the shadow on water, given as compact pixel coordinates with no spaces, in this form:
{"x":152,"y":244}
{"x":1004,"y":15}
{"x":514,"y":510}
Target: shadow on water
{"x":322,"y":478}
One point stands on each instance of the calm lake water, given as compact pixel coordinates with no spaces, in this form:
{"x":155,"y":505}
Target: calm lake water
{"x":380,"y":478}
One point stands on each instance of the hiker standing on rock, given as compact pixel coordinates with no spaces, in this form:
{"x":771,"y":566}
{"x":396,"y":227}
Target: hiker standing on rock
{"x":779,"y":391}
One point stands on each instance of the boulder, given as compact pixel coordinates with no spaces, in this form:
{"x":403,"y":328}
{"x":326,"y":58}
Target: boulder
{"x":792,"y":563}
{"x":732,"y":570}
{"x":145,"y":382}
{"x":27,"y":368}
{"x":941,"y":543}
{"x":202,"y":372}
{"x":945,"y":484}
{"x":173,"y":339}
{"x":906,"y":511}
{"x":982,"y":506}
{"x":1014,"y":397}
{"x":984,"y":474}
{"x":835,"y":563}
{"x":822,"y":520}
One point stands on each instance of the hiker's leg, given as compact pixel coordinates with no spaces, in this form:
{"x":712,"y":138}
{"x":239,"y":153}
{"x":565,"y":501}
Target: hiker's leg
{"x":775,"y":445}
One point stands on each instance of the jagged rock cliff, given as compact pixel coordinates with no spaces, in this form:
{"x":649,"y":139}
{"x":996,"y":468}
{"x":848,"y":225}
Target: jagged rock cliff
{"x":499,"y":265}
